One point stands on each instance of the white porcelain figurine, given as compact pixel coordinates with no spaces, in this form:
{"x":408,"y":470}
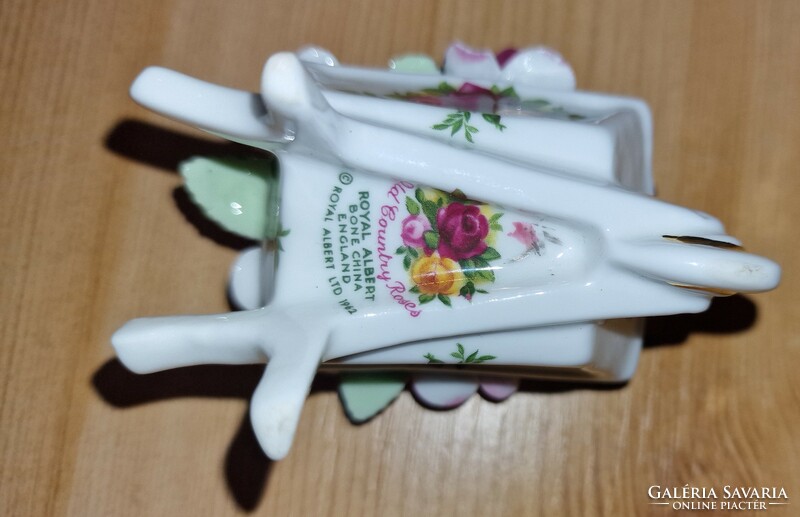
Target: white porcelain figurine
{"x":490,"y":216}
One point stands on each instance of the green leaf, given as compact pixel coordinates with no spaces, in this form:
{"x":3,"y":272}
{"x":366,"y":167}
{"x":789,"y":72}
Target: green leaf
{"x":469,"y":137}
{"x":456,"y":355}
{"x":431,"y":239}
{"x":430,"y":209}
{"x":464,"y":291}
{"x":413,"y":252}
{"x":509,"y":92}
{"x":495,"y":217}
{"x":470,"y":287}
{"x":490,"y":254}
{"x":483,"y":269}
{"x":445,"y":88}
{"x":460,"y":348}
{"x":432,"y":359}
{"x":467,"y":267}
{"x":472,"y":356}
{"x":456,"y":127}
{"x":364,"y":395}
{"x":496,"y":227}
{"x":238,"y":194}
{"x":445,"y":299}
{"x":426,"y":298}
{"x":472,"y":129}
{"x":486,"y":274}
{"x":401,"y":250}
{"x":407,"y":262}
{"x":480,"y":263}
{"x":482,"y":291}
{"x":538,"y":103}
{"x":284,"y":233}
{"x":415,"y":64}
{"x":411,"y":206}
{"x":466,"y":115}
{"x":439,"y":126}
{"x":414,"y":289}
{"x":419,"y":195}
{"x":485,"y":358}
{"x":494,"y":120}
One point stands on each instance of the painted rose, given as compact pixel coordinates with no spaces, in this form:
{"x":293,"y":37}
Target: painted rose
{"x":414,"y":226}
{"x":437,"y":275}
{"x":462,"y":231}
{"x":468,"y":96}
{"x":526,"y":235}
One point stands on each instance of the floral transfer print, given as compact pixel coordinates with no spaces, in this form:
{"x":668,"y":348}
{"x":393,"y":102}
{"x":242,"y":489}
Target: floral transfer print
{"x":447,"y":245}
{"x":460,"y":354}
{"x":526,"y":235}
{"x":467,"y":97}
{"x":492,"y":103}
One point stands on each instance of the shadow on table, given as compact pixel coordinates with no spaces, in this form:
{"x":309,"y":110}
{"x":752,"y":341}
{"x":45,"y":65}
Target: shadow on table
{"x":166,"y":149}
{"x":725,"y":316}
{"x":246,"y":467}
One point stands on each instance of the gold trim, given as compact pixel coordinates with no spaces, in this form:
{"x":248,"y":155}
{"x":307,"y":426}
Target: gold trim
{"x":556,"y":373}
{"x":688,"y":239}
{"x":707,"y":290}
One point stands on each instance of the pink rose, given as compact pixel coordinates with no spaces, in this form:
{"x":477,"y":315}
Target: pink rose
{"x":414,"y":226}
{"x":462,"y":230}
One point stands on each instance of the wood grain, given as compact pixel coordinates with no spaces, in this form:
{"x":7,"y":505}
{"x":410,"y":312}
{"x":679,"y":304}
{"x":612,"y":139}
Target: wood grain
{"x":93,"y":233}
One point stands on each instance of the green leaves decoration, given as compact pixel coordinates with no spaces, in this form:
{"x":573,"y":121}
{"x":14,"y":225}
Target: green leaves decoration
{"x":505,"y":92}
{"x":494,"y":120}
{"x":459,"y":354}
{"x":457,"y":121}
{"x":489,"y":254}
{"x":441,"y":89}
{"x":366,"y":394}
{"x":412,"y":206}
{"x":429,"y":208}
{"x":239,"y":194}
{"x":409,"y":254}
{"x":431,"y":239}
{"x":494,"y":223}
{"x":432,"y":359}
{"x":548,"y":109}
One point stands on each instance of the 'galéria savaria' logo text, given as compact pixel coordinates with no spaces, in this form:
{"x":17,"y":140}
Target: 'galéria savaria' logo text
{"x":728,"y":497}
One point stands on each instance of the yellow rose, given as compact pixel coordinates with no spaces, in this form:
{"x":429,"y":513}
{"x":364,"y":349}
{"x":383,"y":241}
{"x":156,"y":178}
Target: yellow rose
{"x":437,"y":275}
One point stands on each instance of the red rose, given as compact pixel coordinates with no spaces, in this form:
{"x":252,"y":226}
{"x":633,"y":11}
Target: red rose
{"x":462,"y":230}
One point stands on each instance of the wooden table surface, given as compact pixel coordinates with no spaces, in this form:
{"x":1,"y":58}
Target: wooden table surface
{"x":95,"y":232}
